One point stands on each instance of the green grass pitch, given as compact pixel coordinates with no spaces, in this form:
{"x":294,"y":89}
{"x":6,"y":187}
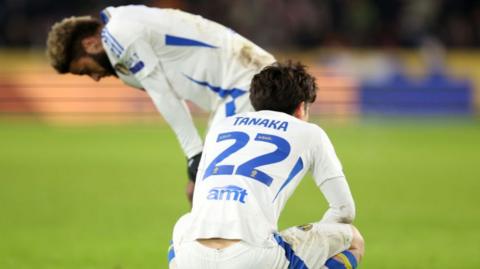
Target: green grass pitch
{"x":108,"y":196}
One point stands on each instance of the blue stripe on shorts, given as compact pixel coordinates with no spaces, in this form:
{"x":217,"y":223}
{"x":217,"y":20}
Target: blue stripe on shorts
{"x":295,"y":261}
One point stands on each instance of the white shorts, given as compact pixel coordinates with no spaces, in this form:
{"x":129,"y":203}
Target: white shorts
{"x":307,"y":247}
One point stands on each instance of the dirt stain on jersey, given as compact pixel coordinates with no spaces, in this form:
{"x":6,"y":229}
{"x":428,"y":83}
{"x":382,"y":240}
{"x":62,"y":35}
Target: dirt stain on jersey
{"x":251,"y":58}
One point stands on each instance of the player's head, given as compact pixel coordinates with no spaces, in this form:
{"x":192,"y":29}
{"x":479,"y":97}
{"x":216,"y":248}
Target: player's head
{"x":74,"y":46}
{"x":284,"y":87}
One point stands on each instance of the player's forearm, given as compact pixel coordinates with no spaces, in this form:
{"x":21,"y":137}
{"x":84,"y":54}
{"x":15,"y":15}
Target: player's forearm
{"x":340,"y":200}
{"x":175,"y":112}
{"x":185,"y":130}
{"x":189,"y":140}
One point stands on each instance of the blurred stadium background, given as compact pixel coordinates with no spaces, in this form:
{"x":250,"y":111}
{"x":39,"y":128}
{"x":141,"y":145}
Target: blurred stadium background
{"x":91,"y":177}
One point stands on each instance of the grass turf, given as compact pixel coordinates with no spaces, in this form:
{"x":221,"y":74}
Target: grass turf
{"x":108,"y":196}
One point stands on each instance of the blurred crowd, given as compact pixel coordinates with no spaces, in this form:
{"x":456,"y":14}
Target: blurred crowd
{"x":280,"y":23}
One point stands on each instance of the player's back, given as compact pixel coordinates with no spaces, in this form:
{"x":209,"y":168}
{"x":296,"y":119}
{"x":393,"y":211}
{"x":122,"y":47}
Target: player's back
{"x":190,"y":48}
{"x":250,"y":166}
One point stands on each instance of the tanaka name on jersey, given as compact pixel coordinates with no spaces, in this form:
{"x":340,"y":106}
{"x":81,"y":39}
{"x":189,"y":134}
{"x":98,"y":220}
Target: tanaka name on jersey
{"x":268,"y":123}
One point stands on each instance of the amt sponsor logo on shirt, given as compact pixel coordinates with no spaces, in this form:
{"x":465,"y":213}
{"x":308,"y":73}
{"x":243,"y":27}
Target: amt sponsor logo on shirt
{"x":228,"y":193}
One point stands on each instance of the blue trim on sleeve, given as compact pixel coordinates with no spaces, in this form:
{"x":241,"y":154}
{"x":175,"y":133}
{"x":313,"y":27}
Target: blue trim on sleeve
{"x":112,"y":43}
{"x":112,"y":38}
{"x":296,"y":169}
{"x":171,"y":40}
{"x":137,"y":67}
{"x":104,"y":16}
{"x":295,"y":261}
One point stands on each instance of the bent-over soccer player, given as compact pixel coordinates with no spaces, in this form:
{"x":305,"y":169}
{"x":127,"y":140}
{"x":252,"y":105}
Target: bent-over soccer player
{"x":173,"y":55}
{"x":251,"y":165}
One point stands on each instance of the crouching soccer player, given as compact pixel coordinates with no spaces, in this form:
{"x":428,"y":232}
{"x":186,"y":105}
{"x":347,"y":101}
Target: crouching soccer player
{"x":251,"y":165}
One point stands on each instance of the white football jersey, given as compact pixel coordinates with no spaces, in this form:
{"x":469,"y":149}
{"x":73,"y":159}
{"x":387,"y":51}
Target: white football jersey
{"x":177,"y":56}
{"x":251,"y":164}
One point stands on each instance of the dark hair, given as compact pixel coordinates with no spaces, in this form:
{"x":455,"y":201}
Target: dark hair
{"x":64,"y":40}
{"x":282,"y":87}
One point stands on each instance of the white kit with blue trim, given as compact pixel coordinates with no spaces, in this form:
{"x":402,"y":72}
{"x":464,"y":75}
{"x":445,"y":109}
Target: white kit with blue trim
{"x":176,"y":56}
{"x":251,"y":165}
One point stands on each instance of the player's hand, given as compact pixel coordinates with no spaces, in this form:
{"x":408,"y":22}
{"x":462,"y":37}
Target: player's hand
{"x":192,"y":164}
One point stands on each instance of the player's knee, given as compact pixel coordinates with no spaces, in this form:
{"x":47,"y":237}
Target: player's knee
{"x":357,"y":246}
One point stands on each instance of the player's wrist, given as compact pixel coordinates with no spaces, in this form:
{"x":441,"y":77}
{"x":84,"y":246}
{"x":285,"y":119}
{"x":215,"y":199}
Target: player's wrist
{"x":192,"y":166}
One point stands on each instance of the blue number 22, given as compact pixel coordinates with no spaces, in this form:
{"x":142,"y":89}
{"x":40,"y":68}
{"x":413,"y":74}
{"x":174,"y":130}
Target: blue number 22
{"x":248,"y":169}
